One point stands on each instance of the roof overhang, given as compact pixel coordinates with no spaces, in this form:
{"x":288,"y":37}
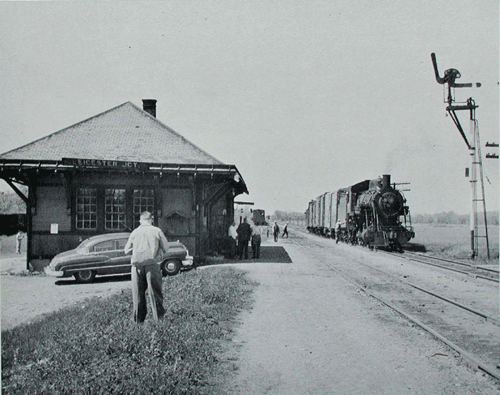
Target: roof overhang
{"x":104,"y":165}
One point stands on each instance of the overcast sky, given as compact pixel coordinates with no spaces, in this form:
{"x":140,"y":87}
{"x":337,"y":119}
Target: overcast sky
{"x":303,"y":97}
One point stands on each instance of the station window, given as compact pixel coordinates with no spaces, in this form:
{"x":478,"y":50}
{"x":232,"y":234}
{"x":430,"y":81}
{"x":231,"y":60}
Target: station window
{"x":144,"y":200}
{"x":86,"y":208}
{"x":111,"y":209}
{"x":114,"y":209}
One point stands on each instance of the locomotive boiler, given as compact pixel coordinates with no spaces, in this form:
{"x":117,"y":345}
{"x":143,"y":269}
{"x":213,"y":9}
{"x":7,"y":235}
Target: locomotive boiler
{"x":371,"y":213}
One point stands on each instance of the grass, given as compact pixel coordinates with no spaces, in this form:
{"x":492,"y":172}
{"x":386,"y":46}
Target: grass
{"x":95,"y":348}
{"x":453,"y":241}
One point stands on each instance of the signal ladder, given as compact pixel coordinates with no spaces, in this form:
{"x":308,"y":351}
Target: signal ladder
{"x":477,"y":164}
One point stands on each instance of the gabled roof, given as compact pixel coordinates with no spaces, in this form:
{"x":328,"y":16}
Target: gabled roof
{"x":123,"y":133}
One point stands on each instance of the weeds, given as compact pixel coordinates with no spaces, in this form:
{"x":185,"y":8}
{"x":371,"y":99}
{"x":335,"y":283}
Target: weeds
{"x":95,"y":348}
{"x":453,"y":242}
{"x":22,"y":273}
{"x":461,"y":252}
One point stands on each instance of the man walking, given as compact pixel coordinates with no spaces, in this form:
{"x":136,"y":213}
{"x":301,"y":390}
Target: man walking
{"x":285,"y":231}
{"x":148,"y":245}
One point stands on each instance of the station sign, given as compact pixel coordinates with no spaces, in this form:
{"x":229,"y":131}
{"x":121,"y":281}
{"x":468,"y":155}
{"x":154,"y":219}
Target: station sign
{"x":105,"y":164}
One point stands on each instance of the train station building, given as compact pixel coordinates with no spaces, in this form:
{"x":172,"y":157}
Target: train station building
{"x":98,"y":175}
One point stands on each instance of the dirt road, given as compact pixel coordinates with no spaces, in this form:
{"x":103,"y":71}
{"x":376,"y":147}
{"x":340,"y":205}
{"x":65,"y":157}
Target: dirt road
{"x":28,"y":298}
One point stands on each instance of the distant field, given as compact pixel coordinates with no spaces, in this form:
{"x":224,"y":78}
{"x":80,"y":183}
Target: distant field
{"x":454,"y":240}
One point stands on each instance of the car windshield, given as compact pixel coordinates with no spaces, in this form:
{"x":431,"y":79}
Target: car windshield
{"x":83,"y":248}
{"x":108,"y":245}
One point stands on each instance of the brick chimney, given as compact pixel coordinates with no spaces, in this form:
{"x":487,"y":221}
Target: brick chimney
{"x":149,"y":105}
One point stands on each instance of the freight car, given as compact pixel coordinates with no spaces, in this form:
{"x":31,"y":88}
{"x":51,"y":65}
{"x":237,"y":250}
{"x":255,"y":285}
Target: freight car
{"x":371,"y":213}
{"x":259,"y":217}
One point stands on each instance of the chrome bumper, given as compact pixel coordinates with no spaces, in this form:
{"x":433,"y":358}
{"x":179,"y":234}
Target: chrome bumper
{"x":49,"y":272}
{"x":188,"y":261}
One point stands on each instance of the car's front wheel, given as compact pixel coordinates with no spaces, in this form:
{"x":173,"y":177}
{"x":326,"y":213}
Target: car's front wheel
{"x":170,"y":267}
{"x":85,"y":276}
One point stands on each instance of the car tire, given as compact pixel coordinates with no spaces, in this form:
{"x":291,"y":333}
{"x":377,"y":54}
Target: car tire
{"x":85,"y":276}
{"x":170,"y":267}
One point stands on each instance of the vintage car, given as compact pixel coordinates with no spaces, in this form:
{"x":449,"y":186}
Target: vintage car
{"x":103,"y":255}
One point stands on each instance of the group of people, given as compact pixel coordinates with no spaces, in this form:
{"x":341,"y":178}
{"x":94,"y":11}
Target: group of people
{"x":241,"y":236}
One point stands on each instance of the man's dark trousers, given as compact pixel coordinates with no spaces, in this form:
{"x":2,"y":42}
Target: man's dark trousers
{"x":243,"y":246}
{"x":232,"y":247}
{"x":256,"y":241}
{"x":145,"y":277}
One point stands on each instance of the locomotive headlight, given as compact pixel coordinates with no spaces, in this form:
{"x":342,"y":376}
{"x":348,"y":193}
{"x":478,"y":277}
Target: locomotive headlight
{"x":387,"y":200}
{"x":390,"y":203}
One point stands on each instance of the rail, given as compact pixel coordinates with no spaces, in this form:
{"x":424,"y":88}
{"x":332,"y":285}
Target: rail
{"x":467,"y":356}
{"x":472,"y":270}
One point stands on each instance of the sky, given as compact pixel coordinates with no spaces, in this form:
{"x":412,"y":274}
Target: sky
{"x":304,"y":97}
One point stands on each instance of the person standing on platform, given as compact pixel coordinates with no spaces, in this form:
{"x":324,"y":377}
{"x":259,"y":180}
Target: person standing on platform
{"x":256,"y":241}
{"x":276,"y":231}
{"x":148,"y":245}
{"x":233,"y":236}
{"x":244,"y":232}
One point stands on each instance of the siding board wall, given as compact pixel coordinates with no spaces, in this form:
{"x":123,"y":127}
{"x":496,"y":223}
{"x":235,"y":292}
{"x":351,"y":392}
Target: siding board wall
{"x":50,"y":209}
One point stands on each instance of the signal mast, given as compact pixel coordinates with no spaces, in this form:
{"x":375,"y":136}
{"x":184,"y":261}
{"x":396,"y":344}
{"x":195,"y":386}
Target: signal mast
{"x":448,"y":81}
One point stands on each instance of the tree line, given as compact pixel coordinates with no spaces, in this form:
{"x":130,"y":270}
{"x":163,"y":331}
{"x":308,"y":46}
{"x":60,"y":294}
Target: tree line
{"x":448,"y":217}
{"x":292,"y":217}
{"x":11,"y":203}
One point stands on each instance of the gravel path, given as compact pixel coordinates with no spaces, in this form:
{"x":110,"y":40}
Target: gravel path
{"x":310,"y":332}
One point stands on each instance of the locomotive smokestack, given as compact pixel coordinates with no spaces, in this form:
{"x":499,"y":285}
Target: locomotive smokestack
{"x":386,"y":181}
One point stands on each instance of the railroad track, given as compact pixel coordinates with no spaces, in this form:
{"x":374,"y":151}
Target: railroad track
{"x":434,"y":312}
{"x":468,"y":269}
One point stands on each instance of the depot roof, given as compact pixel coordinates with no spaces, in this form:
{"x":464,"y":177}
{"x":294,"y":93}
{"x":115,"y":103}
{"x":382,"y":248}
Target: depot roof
{"x":123,"y":133}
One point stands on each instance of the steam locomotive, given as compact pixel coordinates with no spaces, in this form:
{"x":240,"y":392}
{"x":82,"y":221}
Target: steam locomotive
{"x":371,"y":213}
